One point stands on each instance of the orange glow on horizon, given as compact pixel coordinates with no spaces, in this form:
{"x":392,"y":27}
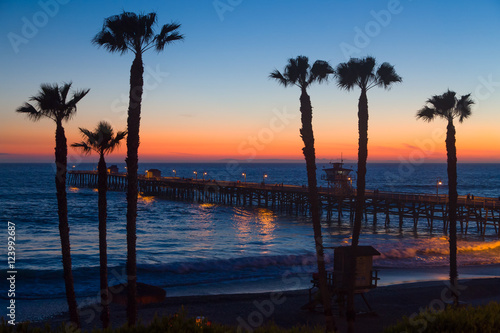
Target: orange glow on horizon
{"x":37,"y":144}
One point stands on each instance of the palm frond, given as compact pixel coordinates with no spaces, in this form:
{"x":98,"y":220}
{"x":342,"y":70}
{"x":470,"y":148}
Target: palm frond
{"x":116,"y":141}
{"x":320,"y":71}
{"x":427,"y":114}
{"x":366,"y":75}
{"x":279,"y":77}
{"x":83,"y":146}
{"x":145,"y":27}
{"x":299,"y":72}
{"x":30,"y":111}
{"x":48,"y":98}
{"x":110,"y":41}
{"x":116,"y":34}
{"x":70,"y":107}
{"x":167,"y":35}
{"x":346,"y":76}
{"x":101,"y":139}
{"x":463,"y":108}
{"x":64,"y":91}
{"x":51,"y":102}
{"x":386,"y":75}
{"x":444,"y":104}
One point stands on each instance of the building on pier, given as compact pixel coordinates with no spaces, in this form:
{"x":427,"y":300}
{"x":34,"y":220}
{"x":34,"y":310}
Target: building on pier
{"x":152,"y":173}
{"x":113,"y":169}
{"x":339,"y":179}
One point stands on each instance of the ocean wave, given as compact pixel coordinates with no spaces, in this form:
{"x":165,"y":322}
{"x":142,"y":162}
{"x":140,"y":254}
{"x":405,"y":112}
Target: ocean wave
{"x":435,"y":251}
{"x":231,"y":264}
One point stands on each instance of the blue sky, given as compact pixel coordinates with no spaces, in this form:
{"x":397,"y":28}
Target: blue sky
{"x":209,"y":94}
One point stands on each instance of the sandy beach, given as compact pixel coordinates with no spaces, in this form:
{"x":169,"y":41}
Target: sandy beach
{"x":248,"y":311}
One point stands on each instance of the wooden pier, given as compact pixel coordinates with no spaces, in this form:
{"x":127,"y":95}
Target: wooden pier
{"x":479,"y":215}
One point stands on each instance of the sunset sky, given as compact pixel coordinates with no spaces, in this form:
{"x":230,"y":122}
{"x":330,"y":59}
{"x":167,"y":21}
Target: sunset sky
{"x":209,"y":97}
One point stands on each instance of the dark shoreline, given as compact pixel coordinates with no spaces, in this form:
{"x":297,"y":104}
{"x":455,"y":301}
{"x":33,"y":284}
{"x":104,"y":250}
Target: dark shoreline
{"x":390,"y":304}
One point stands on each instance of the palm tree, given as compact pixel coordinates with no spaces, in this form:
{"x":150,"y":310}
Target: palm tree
{"x":299,"y":73}
{"x":52,"y":102}
{"x":361,"y":73}
{"x":122,"y":33}
{"x":448,"y":107}
{"x":103,"y":141}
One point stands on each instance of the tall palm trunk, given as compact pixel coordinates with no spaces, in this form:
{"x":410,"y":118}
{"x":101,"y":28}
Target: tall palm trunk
{"x":360,"y":201}
{"x":307,"y":135}
{"x":134,"y":117}
{"x":452,"y":205}
{"x":103,"y":256}
{"x":61,"y":153}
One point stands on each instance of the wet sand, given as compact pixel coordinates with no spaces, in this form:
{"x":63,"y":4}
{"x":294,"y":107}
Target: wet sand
{"x":248,"y":311}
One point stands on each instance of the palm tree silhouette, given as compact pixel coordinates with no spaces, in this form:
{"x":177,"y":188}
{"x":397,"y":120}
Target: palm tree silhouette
{"x":448,"y":107}
{"x":52,"y":102}
{"x":361,"y":73}
{"x":103,"y":141}
{"x":299,"y":73}
{"x":122,"y":33}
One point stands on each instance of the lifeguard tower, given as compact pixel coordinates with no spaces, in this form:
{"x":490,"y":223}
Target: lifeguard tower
{"x":366,"y":277}
{"x":339,"y":178}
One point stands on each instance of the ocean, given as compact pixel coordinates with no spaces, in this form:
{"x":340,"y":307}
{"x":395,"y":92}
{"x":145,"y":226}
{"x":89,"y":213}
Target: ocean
{"x":189,"y":248}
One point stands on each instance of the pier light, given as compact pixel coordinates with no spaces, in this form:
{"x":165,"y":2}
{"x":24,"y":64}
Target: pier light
{"x":438,"y":182}
{"x":264,"y":176}
{"x":196,"y":174}
{"x":74,"y":166}
{"x":244,"y":175}
{"x":204,"y":174}
{"x":175,"y":173}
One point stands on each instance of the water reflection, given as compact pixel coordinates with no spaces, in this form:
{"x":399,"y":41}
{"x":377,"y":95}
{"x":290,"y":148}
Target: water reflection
{"x":255,"y":227}
{"x":242,"y":223}
{"x":146,"y":199}
{"x":266,"y":220}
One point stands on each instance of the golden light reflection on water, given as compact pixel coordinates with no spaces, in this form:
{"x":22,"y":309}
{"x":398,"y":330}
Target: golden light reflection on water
{"x":205,"y":225}
{"x":95,"y":190}
{"x":255,"y":226}
{"x":147,"y":199}
{"x":266,"y":219}
{"x":207,"y":205}
{"x":243,"y":226}
{"x":74,"y":189}
{"x":267,"y":224}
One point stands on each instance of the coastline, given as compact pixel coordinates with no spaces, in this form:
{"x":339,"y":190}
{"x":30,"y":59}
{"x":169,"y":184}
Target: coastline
{"x":249,"y":310}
